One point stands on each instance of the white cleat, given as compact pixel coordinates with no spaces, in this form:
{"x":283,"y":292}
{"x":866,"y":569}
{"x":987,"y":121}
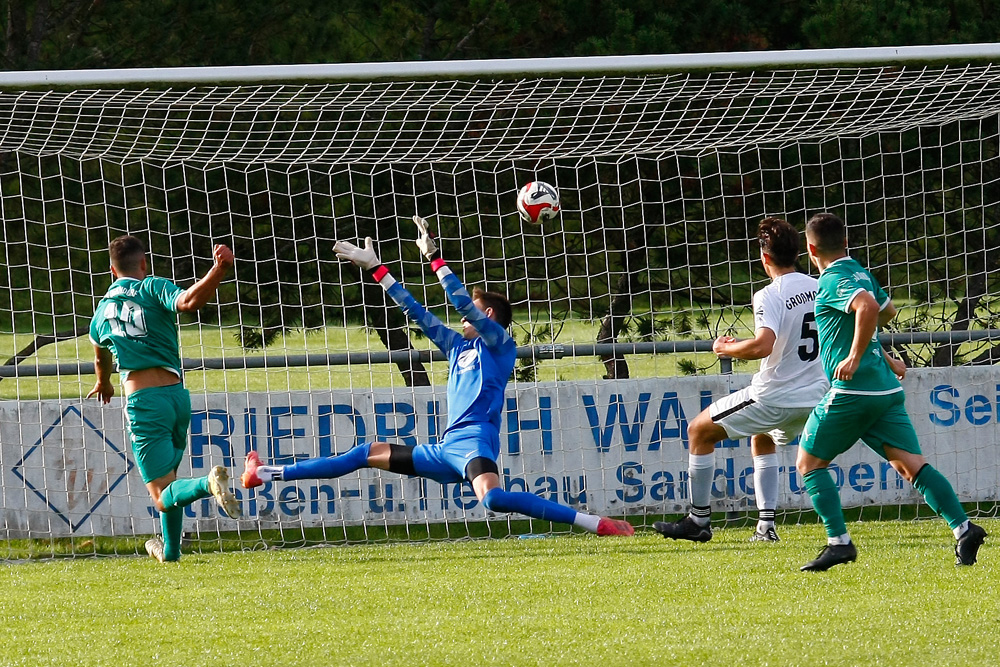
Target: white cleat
{"x":218,"y":484}
{"x":154,"y":547}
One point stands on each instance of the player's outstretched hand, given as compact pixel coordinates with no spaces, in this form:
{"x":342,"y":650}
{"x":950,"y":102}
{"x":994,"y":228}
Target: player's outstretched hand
{"x":425,"y":241}
{"x":363,"y":257}
{"x":103,"y":390}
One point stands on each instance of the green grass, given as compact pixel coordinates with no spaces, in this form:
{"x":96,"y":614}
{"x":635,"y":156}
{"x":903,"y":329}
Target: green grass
{"x":565,"y":600}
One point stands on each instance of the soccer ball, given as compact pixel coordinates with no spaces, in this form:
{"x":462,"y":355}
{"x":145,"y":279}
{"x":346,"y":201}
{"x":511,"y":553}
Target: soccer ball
{"x":537,"y":201}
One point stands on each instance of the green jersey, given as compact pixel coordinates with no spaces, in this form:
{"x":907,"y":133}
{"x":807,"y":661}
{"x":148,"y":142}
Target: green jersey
{"x":137,"y":321}
{"x":839,"y":283}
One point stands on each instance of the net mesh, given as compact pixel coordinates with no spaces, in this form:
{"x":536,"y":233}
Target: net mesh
{"x":663,"y":179}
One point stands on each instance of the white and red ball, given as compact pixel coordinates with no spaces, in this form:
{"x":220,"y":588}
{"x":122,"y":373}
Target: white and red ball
{"x":537,"y":201}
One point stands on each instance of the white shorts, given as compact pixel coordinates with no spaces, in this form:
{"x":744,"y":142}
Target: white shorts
{"x":741,"y":416}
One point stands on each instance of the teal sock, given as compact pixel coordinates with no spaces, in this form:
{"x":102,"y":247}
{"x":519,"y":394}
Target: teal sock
{"x":183,"y":492}
{"x":173,"y":528}
{"x":940,"y":496}
{"x":826,"y":501}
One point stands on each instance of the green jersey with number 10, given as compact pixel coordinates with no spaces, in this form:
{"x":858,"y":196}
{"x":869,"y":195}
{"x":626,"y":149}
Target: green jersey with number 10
{"x":839,"y":283}
{"x":137,"y":321}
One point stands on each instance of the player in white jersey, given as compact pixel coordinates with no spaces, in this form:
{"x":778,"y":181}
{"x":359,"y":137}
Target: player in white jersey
{"x":774,"y":408}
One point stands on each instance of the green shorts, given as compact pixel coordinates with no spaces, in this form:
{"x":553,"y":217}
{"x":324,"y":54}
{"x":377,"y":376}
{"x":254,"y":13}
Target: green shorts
{"x":157,"y":419}
{"x":840,"y":420}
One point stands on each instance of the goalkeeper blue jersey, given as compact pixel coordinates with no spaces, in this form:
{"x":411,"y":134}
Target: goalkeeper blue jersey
{"x":478,"y":369}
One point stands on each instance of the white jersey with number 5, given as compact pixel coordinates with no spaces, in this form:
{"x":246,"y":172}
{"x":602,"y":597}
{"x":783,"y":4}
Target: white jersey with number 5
{"x":792,"y":375}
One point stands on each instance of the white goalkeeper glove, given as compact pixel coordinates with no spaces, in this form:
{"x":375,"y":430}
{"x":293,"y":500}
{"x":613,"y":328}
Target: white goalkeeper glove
{"x":363,"y":257}
{"x":425,"y":241}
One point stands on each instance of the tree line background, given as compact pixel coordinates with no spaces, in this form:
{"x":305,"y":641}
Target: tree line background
{"x":73,"y":34}
{"x":638,"y":248}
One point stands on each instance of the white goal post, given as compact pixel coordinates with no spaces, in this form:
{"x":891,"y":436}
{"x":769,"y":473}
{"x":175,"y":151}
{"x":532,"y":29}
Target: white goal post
{"x":665,"y":165}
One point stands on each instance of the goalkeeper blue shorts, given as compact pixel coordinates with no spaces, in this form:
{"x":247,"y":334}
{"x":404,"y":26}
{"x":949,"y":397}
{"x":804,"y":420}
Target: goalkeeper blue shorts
{"x":446,"y":461}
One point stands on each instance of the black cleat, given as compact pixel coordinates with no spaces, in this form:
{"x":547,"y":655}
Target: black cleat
{"x":968,"y":545}
{"x":832,"y":554}
{"x":685,"y":529}
{"x":767,"y":535}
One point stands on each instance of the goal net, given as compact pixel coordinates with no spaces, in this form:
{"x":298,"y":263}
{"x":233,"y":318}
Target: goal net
{"x":663,"y":177}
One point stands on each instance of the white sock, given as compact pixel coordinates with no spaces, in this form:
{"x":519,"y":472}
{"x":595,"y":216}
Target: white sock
{"x":840,"y":540}
{"x":587,"y":521}
{"x":701,"y":474}
{"x":269,"y":473}
{"x":765,"y":484}
{"x":958,"y":532}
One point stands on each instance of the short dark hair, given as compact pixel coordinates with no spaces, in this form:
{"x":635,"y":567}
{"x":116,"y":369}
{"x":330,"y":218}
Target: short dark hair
{"x":779,"y":240}
{"x":127,"y":253}
{"x":498,"y":302}
{"x":827,"y":232}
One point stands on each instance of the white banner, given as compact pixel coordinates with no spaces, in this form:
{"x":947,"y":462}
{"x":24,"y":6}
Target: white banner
{"x":614,"y":447}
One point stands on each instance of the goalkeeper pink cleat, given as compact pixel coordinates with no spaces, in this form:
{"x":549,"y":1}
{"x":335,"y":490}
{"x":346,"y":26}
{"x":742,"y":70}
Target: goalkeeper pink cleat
{"x":608,"y":527}
{"x":249,"y":477}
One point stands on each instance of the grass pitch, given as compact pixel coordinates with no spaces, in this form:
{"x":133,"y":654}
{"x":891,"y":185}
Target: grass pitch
{"x":569,"y":600}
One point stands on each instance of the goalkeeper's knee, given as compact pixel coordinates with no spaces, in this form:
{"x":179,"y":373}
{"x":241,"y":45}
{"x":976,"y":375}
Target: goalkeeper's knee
{"x":498,"y":500}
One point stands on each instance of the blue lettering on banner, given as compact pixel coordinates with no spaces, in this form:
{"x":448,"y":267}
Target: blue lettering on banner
{"x":516,"y":425}
{"x":291,"y":500}
{"x":325,"y":429}
{"x":374,"y":498}
{"x":403,"y":433}
{"x":663,"y":486}
{"x":202,"y":436}
{"x":630,"y":476}
{"x":616,"y":415}
{"x":277,"y":433}
{"x":670,"y":424}
{"x":949,"y":408}
{"x":434,"y":421}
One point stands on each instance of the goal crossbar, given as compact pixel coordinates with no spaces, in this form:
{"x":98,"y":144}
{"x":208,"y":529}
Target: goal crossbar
{"x":518,"y":67}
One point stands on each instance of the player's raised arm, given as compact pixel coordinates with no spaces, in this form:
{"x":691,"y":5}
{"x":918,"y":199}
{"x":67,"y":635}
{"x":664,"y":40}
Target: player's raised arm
{"x":366,"y":258}
{"x":493,"y":334}
{"x":196,"y":296}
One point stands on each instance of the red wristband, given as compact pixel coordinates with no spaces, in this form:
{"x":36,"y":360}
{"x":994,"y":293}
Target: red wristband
{"x":436,"y":264}
{"x":379,"y":272}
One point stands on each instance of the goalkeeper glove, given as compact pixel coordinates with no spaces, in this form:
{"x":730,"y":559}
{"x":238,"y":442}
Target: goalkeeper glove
{"x":426,"y":240}
{"x":363,"y":257}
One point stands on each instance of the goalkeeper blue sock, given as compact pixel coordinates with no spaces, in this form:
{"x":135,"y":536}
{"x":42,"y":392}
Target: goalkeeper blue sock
{"x":498,"y":500}
{"x":826,"y":501}
{"x":329,"y":467}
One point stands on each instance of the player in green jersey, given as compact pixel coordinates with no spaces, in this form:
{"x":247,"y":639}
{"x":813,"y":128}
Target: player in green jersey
{"x":865,"y":401}
{"x":135,"y":324}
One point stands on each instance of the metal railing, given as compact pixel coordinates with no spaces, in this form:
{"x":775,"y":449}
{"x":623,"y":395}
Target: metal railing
{"x":539,"y":352}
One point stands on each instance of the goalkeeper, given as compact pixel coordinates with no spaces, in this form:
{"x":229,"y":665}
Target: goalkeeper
{"x":135,"y":324}
{"x":480,"y":361}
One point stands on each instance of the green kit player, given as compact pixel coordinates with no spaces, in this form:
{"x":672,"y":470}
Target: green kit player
{"x":135,"y":324}
{"x":865,"y":401}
